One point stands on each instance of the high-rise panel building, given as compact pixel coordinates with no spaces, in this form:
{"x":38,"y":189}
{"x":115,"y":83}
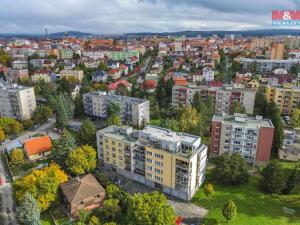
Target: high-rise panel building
{"x":277,"y":51}
{"x":225,"y":98}
{"x":16,"y":101}
{"x":133,"y":111}
{"x":250,"y":136}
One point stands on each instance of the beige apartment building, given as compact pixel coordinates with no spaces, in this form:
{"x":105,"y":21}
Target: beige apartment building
{"x":287,"y":97}
{"x":78,"y":74}
{"x":172,"y":162}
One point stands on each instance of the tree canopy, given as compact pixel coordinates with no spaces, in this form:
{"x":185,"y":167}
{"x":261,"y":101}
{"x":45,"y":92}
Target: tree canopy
{"x":42,"y":185}
{"x":273,"y":179}
{"x":231,"y":169}
{"x":82,"y":160}
{"x":28,"y":210}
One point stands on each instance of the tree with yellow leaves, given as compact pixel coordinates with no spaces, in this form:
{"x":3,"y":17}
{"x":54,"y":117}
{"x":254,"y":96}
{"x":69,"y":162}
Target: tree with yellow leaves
{"x":2,"y":135}
{"x":17,"y":157}
{"x":42,"y":185}
{"x":189,"y":120}
{"x":82,"y":160}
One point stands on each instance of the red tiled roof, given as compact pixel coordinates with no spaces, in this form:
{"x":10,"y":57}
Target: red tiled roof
{"x":216,"y":83}
{"x":114,"y":86}
{"x":150,"y":84}
{"x":180,"y":81}
{"x":37,"y":145}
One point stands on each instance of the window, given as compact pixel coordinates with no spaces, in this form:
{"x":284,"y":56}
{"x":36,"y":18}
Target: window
{"x":113,"y":149}
{"x":159,"y":156}
{"x":149,"y":160}
{"x":149,"y":168}
{"x":149,"y":153}
{"x":113,"y":142}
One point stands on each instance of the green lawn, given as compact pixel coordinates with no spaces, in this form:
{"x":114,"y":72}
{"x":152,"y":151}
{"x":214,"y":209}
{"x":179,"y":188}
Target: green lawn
{"x":46,"y":219}
{"x":254,"y":207}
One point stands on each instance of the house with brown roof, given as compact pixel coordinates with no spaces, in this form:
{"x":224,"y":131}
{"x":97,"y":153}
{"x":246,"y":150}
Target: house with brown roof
{"x":37,"y":148}
{"x":82,"y":193}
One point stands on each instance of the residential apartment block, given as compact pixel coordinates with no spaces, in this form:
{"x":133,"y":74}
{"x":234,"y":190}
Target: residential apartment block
{"x":250,"y":136}
{"x":173,"y":162}
{"x":16,"y":101}
{"x":266,"y":65}
{"x":225,"y":97}
{"x":287,"y":97}
{"x":78,"y":74}
{"x":277,"y":51}
{"x":121,"y":55}
{"x":134,"y":111}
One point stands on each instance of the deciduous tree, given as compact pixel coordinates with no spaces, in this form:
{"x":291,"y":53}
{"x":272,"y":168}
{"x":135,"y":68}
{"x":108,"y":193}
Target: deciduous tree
{"x":17,"y":157}
{"x":2,"y":135}
{"x":42,"y":185}
{"x":82,"y":160}
{"x":208,"y":189}
{"x":150,"y":208}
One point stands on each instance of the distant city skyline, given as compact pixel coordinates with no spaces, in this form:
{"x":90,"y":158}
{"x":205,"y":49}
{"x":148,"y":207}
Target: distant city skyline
{"x":122,"y":16}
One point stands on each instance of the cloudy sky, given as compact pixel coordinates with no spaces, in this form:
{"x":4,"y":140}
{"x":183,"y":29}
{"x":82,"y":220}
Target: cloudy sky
{"x":121,"y":16}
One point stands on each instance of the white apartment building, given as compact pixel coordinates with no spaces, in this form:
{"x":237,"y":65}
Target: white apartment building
{"x":174,"y":163}
{"x":93,"y":54}
{"x":250,"y":136}
{"x":267,"y":65}
{"x":16,"y":101}
{"x":134,"y":111}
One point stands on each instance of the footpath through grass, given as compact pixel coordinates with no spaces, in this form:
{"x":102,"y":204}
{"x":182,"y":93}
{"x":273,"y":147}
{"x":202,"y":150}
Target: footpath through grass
{"x":253,"y":206}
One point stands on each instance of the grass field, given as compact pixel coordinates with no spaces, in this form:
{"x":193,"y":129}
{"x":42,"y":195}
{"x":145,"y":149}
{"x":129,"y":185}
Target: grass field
{"x":253,"y":206}
{"x":46,"y":219}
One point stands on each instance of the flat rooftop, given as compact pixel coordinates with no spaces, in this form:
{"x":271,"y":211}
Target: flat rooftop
{"x":114,"y":96}
{"x":168,"y":135}
{"x":244,"y":120}
{"x":114,"y":132}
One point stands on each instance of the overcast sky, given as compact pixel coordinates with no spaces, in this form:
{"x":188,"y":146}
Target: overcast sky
{"x":121,"y":16}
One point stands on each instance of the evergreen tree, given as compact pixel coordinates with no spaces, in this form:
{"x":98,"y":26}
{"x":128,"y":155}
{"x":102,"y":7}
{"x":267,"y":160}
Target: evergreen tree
{"x":160,"y":92}
{"x":28,"y":211}
{"x":229,"y":210}
{"x":62,"y":148}
{"x":291,"y":182}
{"x":273,"y":179}
{"x":272,"y":112}
{"x":87,"y":133}
{"x":61,"y":114}
{"x":231,"y":169}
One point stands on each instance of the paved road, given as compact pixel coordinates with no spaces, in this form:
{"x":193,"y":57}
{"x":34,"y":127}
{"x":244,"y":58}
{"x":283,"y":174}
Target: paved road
{"x":6,"y":192}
